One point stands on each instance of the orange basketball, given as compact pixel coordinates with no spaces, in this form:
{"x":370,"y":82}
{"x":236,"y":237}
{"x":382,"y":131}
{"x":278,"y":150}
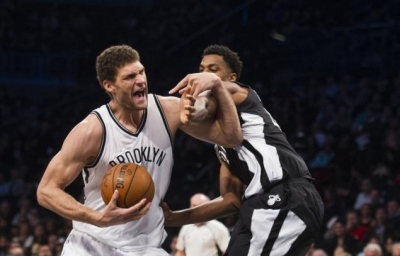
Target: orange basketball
{"x":132,"y":181}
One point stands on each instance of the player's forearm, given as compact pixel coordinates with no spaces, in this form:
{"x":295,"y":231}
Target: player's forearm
{"x":217,"y":208}
{"x":63,"y":204}
{"x":227,"y":116}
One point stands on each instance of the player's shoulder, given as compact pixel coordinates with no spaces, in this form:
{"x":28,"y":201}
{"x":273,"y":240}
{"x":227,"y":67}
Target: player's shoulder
{"x":169,"y":104}
{"x":90,"y":126}
{"x":238,"y":92}
{"x":167,"y":99}
{"x":170,"y":108}
{"x":85,"y":138}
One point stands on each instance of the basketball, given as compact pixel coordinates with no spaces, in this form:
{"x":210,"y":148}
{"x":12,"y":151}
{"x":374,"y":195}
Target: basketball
{"x":132,"y":181}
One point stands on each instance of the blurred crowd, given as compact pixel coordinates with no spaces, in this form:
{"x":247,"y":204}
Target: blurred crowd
{"x":331,"y":81}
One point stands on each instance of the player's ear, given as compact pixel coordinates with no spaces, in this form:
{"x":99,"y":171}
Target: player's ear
{"x":108,"y":86}
{"x":232,"y":77}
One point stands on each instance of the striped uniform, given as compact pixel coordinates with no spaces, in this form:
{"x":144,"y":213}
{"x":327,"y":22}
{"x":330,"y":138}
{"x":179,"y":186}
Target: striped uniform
{"x":281,"y":210}
{"x":151,"y":147}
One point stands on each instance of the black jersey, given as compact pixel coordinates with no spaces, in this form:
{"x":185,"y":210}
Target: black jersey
{"x":281,"y":212}
{"x":265,"y":157}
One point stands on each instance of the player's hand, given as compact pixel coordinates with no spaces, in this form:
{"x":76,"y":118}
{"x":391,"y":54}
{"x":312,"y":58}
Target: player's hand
{"x":113,"y":215}
{"x":167,"y":214}
{"x":186,"y":106}
{"x":199,"y":83}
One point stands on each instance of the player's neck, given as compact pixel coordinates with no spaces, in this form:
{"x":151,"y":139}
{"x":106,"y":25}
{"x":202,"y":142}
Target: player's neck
{"x":130,"y":119}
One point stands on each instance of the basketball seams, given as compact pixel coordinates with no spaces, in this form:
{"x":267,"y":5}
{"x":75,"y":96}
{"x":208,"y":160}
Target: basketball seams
{"x":103,"y":195}
{"x":130,"y":184}
{"x":131,"y":192}
{"x":113,"y":178}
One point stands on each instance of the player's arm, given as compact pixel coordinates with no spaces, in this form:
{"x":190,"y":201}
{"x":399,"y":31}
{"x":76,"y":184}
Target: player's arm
{"x":197,"y":110}
{"x":80,"y":148}
{"x":215,"y":117}
{"x":227,"y":204}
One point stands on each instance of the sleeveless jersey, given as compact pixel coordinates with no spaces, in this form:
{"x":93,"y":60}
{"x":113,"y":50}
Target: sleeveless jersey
{"x":151,"y":147}
{"x":265,"y":157}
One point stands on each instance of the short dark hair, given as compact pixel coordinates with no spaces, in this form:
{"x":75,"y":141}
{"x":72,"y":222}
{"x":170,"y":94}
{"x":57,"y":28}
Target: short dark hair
{"x":113,"y":58}
{"x":229,"y":56}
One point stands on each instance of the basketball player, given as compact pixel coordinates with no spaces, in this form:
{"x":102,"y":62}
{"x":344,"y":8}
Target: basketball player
{"x":134,"y":127}
{"x":280,"y":212}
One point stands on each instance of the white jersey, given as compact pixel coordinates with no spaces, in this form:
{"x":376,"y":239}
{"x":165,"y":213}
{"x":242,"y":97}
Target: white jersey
{"x":150,"y":147}
{"x":203,"y":240}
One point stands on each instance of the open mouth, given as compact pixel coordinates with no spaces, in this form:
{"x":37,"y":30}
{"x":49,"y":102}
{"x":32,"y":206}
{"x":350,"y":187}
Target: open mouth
{"x":138,"y":94}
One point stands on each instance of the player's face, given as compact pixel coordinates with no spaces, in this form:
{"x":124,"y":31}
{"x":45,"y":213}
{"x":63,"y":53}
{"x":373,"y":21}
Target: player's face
{"x":214,"y":63}
{"x":130,"y":87}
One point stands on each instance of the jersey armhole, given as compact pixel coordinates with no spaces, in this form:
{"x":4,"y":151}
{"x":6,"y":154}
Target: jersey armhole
{"x":103,"y":141}
{"x":164,"y":118}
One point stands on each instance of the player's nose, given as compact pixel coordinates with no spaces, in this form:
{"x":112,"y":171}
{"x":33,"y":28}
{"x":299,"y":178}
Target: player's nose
{"x":140,"y":80}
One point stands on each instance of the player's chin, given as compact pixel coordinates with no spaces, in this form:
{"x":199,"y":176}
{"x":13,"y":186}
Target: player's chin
{"x":140,"y":103}
{"x":141,"y":106}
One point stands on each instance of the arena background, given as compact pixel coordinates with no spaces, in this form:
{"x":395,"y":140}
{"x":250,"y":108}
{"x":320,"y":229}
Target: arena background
{"x":328,"y":71}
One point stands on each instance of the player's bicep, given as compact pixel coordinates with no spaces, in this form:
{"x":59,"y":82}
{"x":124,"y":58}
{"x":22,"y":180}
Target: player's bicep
{"x":79,"y":148}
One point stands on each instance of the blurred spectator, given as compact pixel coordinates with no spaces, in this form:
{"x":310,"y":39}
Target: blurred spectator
{"x":340,"y":239}
{"x":364,"y":194}
{"x":205,"y":238}
{"x":3,"y":245}
{"x":396,"y":249}
{"x":59,"y":246}
{"x":372,"y":249}
{"x":25,"y":236}
{"x":39,"y":234}
{"x":366,"y":217}
{"x":341,"y":251}
{"x":5,"y":210}
{"x":319,"y":252}
{"x":354,"y":228}
{"x":393,"y":217}
{"x":44,"y":250}
{"x":15,"y":248}
{"x":379,"y":224}
{"x":4,"y":227}
{"x":172,"y":245}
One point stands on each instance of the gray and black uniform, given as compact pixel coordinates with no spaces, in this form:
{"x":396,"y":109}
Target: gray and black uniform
{"x":281,"y":212}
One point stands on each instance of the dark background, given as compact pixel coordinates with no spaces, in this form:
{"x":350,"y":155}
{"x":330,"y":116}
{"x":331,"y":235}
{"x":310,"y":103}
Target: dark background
{"x":328,"y":71}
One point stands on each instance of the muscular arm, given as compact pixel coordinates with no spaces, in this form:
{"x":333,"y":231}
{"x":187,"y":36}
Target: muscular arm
{"x":220,"y":124}
{"x":227,"y":204}
{"x":79,"y":148}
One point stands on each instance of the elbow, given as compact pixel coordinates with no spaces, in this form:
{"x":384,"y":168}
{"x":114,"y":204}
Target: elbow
{"x":42,"y":194}
{"x":233,"y":203}
{"x":235,"y":139}
{"x":238,"y":138}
